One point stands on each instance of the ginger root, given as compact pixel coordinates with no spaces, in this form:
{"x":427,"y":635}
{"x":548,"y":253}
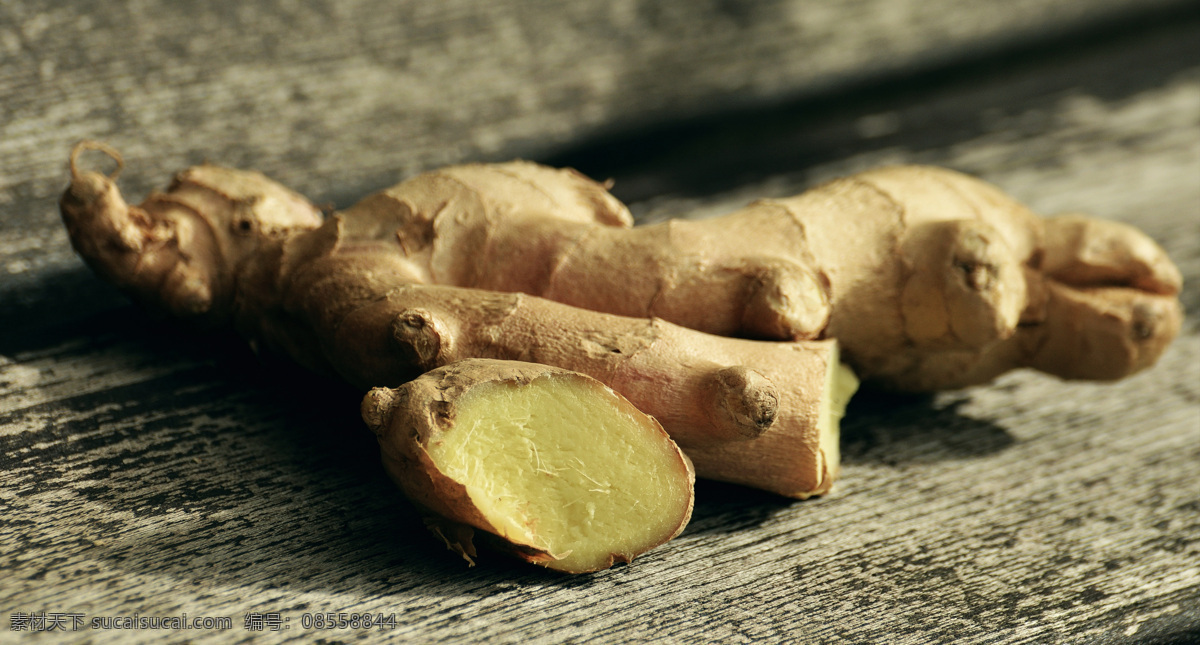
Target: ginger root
{"x":565,"y":471}
{"x":928,"y":278}
{"x":723,"y":329}
{"x":351,"y":297}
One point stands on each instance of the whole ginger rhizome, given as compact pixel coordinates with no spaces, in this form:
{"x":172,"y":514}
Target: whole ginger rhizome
{"x":521,"y":342}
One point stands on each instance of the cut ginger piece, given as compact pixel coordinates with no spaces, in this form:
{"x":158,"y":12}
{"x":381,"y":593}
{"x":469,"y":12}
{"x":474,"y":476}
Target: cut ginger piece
{"x":551,"y":465}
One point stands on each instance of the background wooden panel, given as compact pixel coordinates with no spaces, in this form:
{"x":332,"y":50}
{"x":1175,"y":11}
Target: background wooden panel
{"x":147,"y":471}
{"x":340,"y":97}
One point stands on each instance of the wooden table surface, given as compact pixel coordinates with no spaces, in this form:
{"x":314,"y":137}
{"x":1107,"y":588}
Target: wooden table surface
{"x":151,"y":472}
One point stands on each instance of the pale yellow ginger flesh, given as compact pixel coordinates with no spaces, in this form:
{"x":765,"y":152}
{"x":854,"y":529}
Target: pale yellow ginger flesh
{"x":558,"y":468}
{"x":841,"y":386}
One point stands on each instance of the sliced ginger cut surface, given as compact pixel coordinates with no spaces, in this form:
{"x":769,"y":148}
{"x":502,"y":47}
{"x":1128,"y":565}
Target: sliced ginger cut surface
{"x":564,"y":465}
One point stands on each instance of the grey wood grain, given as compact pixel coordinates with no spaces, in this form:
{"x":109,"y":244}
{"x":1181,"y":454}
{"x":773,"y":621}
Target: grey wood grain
{"x":147,"y":470}
{"x":338,"y":97}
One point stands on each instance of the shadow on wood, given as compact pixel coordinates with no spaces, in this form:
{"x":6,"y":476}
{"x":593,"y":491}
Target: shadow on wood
{"x":889,"y":428}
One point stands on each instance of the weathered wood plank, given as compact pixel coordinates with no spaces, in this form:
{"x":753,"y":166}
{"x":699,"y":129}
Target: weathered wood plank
{"x":150,"y":472}
{"x":337,"y":98}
